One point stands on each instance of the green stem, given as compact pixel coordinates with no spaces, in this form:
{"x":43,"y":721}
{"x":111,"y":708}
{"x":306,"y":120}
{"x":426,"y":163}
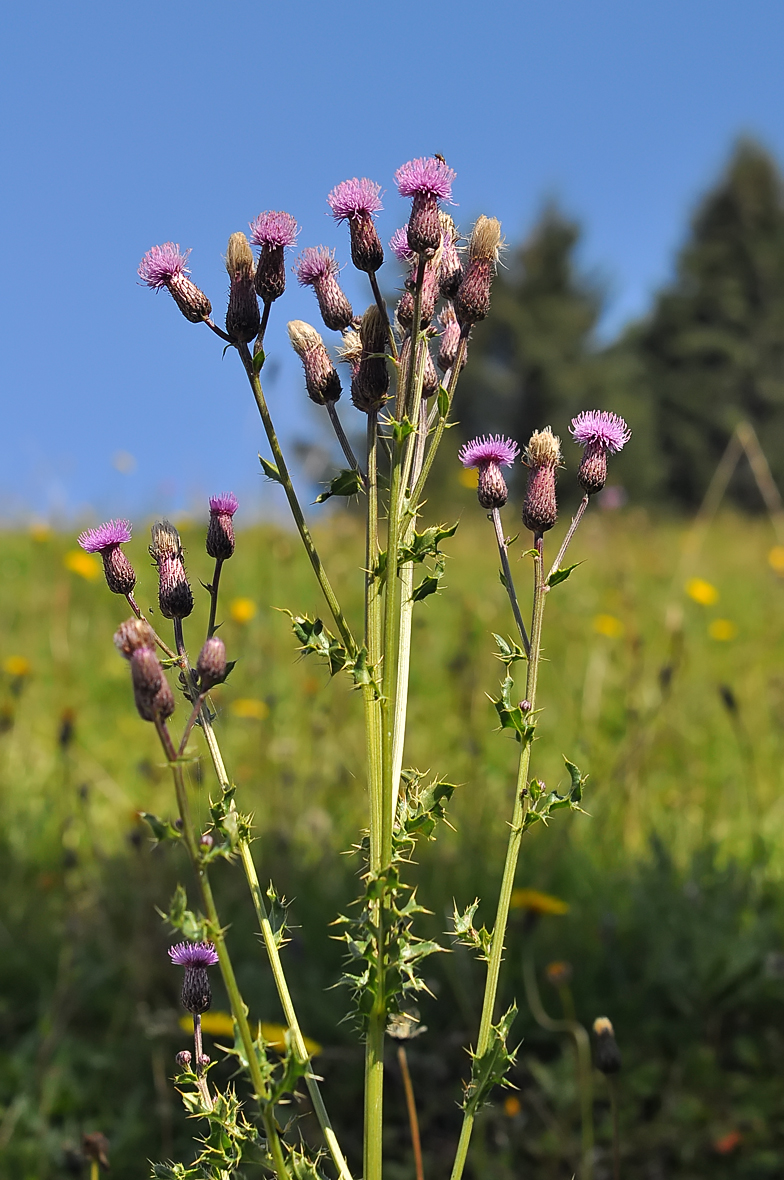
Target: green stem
{"x":273,"y":1142}
{"x":300,"y":1048}
{"x":512,"y":854}
{"x":382,"y":307}
{"x":294,"y":505}
{"x":503,"y":554}
{"x":213,"y":592}
{"x":441,"y":425}
{"x":373,"y":642}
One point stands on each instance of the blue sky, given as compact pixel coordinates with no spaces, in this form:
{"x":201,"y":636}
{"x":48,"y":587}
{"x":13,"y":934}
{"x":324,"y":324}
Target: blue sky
{"x":128,"y":125}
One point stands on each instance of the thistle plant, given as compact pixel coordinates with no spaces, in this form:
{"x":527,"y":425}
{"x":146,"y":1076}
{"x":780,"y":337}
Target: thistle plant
{"x":407,"y":411}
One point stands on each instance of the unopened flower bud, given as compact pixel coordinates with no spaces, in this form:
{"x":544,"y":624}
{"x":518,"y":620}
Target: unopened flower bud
{"x":273,"y":231}
{"x":211,"y":664}
{"x":449,"y":340}
{"x":355,"y":201}
{"x":472,"y":301}
{"x":607,"y":1055}
{"x":450,"y":271}
{"x":316,"y":267}
{"x":151,"y":691}
{"x":220,"y":532}
{"x":204,"y":1060}
{"x":206,"y":840}
{"x":106,"y":540}
{"x":242,"y":317}
{"x":175,"y":596}
{"x":428,"y":181}
{"x":165,"y":266}
{"x":321,"y":377}
{"x":542,"y":456}
{"x":133,"y":634}
{"x":183,"y":1059}
{"x":370,"y":383}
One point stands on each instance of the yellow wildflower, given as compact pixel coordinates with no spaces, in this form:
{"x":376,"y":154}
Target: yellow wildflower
{"x":538,"y":903}
{"x":776,"y":559}
{"x":608,"y":625}
{"x":84,"y":564}
{"x":221,"y":1024}
{"x":722,"y":629}
{"x":702,"y":592}
{"x":242,"y":610}
{"x":17,"y":666}
{"x":250,"y":709}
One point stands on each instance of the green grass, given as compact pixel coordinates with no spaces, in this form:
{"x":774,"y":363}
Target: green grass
{"x":673,"y":879}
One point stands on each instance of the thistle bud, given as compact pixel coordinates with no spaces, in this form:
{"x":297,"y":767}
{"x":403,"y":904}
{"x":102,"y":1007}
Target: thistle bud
{"x":165,"y":266}
{"x":273,"y":231}
{"x":316,"y":267}
{"x":242,"y":317}
{"x":183,"y":1059}
{"x":370,"y":383}
{"x":106,"y":540}
{"x":472,"y":301}
{"x":321,"y":378}
{"x":607,"y":1055}
{"x":450,"y":340}
{"x":211,"y":664}
{"x":428,"y":181}
{"x":430,"y":382}
{"x":133,"y":634}
{"x":542,"y":456}
{"x":450,"y":272}
{"x":195,"y":957}
{"x":153,"y":697}
{"x":220,"y":532}
{"x":428,"y":298}
{"x":355,"y":201}
{"x":175,"y":596}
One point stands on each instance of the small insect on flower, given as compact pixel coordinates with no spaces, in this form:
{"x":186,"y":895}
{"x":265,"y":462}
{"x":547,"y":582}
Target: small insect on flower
{"x":489,"y":452}
{"x":428,"y":180}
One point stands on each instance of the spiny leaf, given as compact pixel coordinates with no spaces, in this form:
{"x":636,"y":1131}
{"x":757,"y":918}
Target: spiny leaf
{"x":560,"y":575}
{"x":258,"y":360}
{"x":443,"y":401}
{"x":346,"y":483}
{"x":270,"y":470}
{"x":491,"y":1068}
{"x":161,"y":829}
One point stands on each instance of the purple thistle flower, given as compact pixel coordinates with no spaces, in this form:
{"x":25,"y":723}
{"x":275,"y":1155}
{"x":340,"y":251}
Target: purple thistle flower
{"x":163,"y":263}
{"x":274,"y":228}
{"x":355,"y":198}
{"x":193,"y":954}
{"x":597,"y":428}
{"x":399,"y":246}
{"x":489,"y":448}
{"x":226,"y":503}
{"x":314,"y":264}
{"x":113,"y":532}
{"x":427,"y":175}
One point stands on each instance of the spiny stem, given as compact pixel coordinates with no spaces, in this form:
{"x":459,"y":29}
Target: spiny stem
{"x":213,"y":593}
{"x":343,"y":440}
{"x":572,"y":530}
{"x":419,"y":487}
{"x":294,"y":505}
{"x":413,"y":1121}
{"x":198,"y":1068}
{"x":382,"y":307}
{"x":503,"y":554}
{"x":519,"y":812}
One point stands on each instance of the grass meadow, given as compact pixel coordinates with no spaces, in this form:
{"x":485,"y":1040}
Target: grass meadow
{"x":671,"y":699}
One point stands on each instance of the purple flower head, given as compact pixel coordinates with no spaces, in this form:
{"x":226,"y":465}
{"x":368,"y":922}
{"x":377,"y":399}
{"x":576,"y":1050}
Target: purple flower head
{"x":274,"y":229}
{"x":314,"y":264}
{"x":161,"y":264}
{"x":425,"y":175}
{"x":226,"y":504}
{"x":114,"y":532}
{"x":399,"y":246}
{"x":489,"y":448}
{"x":193,"y":954}
{"x":355,"y":198}
{"x":597,"y":428}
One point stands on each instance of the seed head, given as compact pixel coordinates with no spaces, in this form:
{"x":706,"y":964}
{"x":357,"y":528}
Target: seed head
{"x":211,"y":664}
{"x":166,"y":266}
{"x":350,"y":350}
{"x":321,"y":377}
{"x":543,"y":450}
{"x":273,"y":231}
{"x":133,"y":634}
{"x":316,"y":267}
{"x":472,"y":301}
{"x":242,"y":316}
{"x":542,"y":456}
{"x":220,"y":532}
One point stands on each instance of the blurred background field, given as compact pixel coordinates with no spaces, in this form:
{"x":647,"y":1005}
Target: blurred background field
{"x":663,"y":681}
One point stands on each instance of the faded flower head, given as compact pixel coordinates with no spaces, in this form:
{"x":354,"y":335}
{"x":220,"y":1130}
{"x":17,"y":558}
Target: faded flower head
{"x":601,"y":434}
{"x":370,"y":381}
{"x":426,"y":175}
{"x":350,"y":349}
{"x":175,"y":596}
{"x":451,"y":265}
{"x":321,"y":377}
{"x":543,"y":450}
{"x":163,"y":263}
{"x":106,"y":540}
{"x":113,"y":532}
{"x":489,"y":453}
{"x":274,"y":228}
{"x":355,"y":198}
{"x":472,"y":299}
{"x":195,"y":957}
{"x":542,"y":456}
{"x":242,"y":315}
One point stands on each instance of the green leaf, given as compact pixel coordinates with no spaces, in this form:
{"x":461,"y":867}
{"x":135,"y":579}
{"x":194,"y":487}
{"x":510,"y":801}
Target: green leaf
{"x":314,"y":637}
{"x":443,"y":401}
{"x":161,"y":829}
{"x":491,"y":1068}
{"x":258,"y":360}
{"x":560,"y":575}
{"x":426,"y":544}
{"x":401,"y":430}
{"x":578,"y":781}
{"x":270,"y":470}
{"x":509,"y":652}
{"x":511,"y":715}
{"x":346,"y":483}
{"x":426,"y":587}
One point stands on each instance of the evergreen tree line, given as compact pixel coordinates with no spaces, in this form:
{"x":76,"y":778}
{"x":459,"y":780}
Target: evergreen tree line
{"x":709,"y":354}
